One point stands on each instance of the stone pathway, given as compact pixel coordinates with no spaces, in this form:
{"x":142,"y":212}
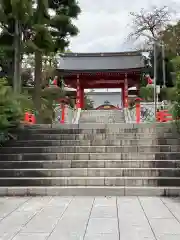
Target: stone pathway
{"x":88,"y":218}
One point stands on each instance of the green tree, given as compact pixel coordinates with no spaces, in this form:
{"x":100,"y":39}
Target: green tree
{"x":10,"y":110}
{"x":168,"y":68}
{"x":50,"y":34}
{"x":171,"y":38}
{"x":148,"y":24}
{"x":14,"y":15}
{"x":176,"y":62}
{"x":6,"y":64}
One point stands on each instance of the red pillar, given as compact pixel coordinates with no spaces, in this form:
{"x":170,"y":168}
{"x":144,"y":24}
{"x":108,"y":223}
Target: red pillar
{"x":82,"y":97}
{"x":78,"y":94}
{"x":126,"y":92}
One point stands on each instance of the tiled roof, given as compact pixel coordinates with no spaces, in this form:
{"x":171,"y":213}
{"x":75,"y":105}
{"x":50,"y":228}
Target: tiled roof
{"x":100,"y":61}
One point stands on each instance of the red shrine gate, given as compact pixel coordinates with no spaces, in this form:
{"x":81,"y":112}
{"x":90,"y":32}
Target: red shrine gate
{"x":101,"y":70}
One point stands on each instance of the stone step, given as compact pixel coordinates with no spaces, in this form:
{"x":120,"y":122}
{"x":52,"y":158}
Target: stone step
{"x":90,"y":191}
{"x":91,"y":172}
{"x":33,"y":137}
{"x":94,"y":142}
{"x":60,"y":130}
{"x":82,"y":129}
{"x":90,"y":181}
{"x":102,"y":116}
{"x":101,"y":120}
{"x":126,"y":126}
{"x":90,"y":136}
{"x":101,"y":128}
{"x":90,"y":164}
{"x":92,"y":149}
{"x":47,"y":143}
{"x":91,"y":156}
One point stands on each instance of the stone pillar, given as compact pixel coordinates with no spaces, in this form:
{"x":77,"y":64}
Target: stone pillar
{"x":122,"y":96}
{"x":78,"y":94}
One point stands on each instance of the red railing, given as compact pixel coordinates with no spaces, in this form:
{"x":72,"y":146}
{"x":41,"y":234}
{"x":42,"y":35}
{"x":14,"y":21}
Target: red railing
{"x":163,"y":116}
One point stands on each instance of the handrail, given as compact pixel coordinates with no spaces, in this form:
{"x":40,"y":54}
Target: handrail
{"x":74,"y":118}
{"x":127,"y":115}
{"x":69,"y":116}
{"x":77,"y":116}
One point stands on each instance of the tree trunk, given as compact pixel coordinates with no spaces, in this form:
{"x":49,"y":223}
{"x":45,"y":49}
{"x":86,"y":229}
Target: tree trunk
{"x":37,"y":85}
{"x":17,"y":58}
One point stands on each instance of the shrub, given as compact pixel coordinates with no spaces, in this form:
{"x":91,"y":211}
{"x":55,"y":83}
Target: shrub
{"x":168,"y":94}
{"x":176,"y":107}
{"x":177,"y":98}
{"x":146,"y":93}
{"x":10,"y":109}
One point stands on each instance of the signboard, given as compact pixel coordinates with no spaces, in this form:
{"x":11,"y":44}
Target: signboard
{"x":104,"y":81}
{"x":158,"y":89}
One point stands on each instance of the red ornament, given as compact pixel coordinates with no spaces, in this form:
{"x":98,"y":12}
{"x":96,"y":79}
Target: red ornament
{"x":55,"y":81}
{"x":149,"y":79}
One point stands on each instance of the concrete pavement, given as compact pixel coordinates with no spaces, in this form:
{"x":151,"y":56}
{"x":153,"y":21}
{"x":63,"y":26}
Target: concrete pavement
{"x":88,"y":218}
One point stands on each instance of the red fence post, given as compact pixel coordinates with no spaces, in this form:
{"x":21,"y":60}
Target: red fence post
{"x":158,"y":116}
{"x":62,"y":113}
{"x":138,"y":110}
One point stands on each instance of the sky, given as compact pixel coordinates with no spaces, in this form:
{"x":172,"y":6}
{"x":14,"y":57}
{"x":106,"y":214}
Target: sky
{"x":105,"y":24}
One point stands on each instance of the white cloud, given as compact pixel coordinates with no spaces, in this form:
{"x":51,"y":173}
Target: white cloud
{"x":104,"y":24}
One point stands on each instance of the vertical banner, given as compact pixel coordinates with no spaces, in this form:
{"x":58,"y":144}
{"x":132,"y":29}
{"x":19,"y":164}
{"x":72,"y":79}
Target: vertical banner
{"x":126,"y":91}
{"x":78,"y":94}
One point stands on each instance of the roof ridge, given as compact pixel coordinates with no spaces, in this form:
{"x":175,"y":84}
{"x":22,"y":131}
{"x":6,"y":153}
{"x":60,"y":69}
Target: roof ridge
{"x":101,"y":54}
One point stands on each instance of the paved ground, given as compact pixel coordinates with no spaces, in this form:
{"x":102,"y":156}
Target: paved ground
{"x":81,"y":218}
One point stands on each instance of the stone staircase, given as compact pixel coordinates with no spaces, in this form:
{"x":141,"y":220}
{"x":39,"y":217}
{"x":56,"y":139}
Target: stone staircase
{"x":102,"y":116}
{"x":106,"y":159}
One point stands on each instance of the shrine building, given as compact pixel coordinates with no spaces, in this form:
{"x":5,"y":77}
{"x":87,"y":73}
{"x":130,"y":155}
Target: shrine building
{"x":101,"y":70}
